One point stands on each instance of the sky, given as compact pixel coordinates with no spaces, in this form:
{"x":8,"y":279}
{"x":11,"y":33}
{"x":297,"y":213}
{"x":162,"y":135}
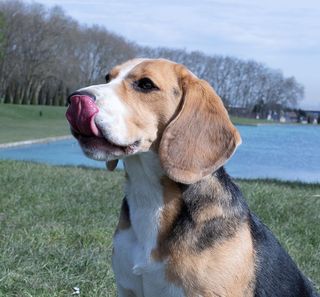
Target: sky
{"x":282,"y":34}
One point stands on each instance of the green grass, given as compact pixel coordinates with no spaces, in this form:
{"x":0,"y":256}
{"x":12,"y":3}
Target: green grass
{"x":57,"y":224}
{"x":23,"y":122}
{"x":248,"y":121}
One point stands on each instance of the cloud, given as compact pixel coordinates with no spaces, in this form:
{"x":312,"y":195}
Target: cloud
{"x":278,"y":25}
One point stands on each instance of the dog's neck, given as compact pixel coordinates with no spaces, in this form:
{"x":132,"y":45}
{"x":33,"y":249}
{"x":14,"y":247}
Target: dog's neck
{"x":144,"y":175}
{"x":144,"y":194}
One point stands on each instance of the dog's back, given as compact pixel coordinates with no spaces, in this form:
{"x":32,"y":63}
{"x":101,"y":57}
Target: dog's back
{"x":275,"y":270}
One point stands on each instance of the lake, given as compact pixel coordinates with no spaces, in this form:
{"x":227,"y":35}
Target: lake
{"x":286,"y":152}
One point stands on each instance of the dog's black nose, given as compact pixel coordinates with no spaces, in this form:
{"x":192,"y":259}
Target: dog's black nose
{"x":81,"y":93}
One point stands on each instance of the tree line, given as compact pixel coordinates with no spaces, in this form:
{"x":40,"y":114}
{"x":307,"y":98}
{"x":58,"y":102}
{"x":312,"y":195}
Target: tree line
{"x":45,"y":55}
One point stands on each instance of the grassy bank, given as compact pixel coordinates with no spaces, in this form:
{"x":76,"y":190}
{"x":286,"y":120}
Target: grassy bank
{"x":57,"y":223}
{"x":23,"y":122}
{"x":250,"y":122}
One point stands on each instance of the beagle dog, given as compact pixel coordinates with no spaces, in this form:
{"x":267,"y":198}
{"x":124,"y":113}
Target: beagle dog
{"x":184,"y":227}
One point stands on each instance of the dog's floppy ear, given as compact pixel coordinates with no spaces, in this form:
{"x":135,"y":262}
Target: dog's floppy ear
{"x":201,"y":138}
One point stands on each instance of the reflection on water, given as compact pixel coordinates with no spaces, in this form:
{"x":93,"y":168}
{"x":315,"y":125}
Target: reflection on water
{"x":284,"y":152}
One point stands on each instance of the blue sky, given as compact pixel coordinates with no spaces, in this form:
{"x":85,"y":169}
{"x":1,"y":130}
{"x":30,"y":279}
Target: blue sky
{"x":282,"y":34}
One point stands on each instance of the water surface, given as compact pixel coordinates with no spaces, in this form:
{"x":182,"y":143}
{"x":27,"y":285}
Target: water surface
{"x":283,"y":152}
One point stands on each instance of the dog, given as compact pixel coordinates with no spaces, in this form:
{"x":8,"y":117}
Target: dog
{"x":184,"y":227}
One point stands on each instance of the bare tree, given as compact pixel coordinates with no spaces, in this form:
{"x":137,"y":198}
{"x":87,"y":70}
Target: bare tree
{"x":45,"y":54}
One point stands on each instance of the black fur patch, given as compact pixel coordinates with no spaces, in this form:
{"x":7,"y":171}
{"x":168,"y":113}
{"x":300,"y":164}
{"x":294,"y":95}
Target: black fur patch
{"x":276,"y":275}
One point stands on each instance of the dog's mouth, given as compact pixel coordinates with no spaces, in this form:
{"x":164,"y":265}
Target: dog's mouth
{"x":80,"y":114}
{"x":96,"y":143}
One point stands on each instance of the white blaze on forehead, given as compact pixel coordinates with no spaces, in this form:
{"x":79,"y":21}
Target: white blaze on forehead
{"x":126,"y":68}
{"x":113,"y":113}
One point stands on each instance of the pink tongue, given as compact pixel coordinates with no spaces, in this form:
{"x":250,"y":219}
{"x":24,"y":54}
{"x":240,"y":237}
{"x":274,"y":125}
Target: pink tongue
{"x":80,"y":115}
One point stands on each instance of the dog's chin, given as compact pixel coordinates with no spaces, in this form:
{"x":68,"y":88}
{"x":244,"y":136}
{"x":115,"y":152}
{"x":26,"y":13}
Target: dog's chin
{"x":101,"y":149}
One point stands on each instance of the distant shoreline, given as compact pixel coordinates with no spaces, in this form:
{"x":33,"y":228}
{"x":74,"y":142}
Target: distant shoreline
{"x":34,"y":141}
{"x":65,"y":137}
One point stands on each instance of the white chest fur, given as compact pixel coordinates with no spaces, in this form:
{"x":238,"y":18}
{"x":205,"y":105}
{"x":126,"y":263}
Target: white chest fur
{"x":136,"y":272}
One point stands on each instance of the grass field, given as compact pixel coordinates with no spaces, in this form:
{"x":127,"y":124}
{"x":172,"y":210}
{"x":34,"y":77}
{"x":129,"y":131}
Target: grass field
{"x":57,"y":223}
{"x":250,"y":122}
{"x":23,"y":122}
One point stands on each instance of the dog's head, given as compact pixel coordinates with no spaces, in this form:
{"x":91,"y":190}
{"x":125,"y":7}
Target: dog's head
{"x":154,"y":105}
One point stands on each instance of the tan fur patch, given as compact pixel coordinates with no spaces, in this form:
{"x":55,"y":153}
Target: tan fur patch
{"x":227,"y":269}
{"x":114,"y":73}
{"x":214,"y":210}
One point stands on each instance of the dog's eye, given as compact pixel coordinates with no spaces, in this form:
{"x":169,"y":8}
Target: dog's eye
{"x":107,"y":78}
{"x":145,"y":85}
